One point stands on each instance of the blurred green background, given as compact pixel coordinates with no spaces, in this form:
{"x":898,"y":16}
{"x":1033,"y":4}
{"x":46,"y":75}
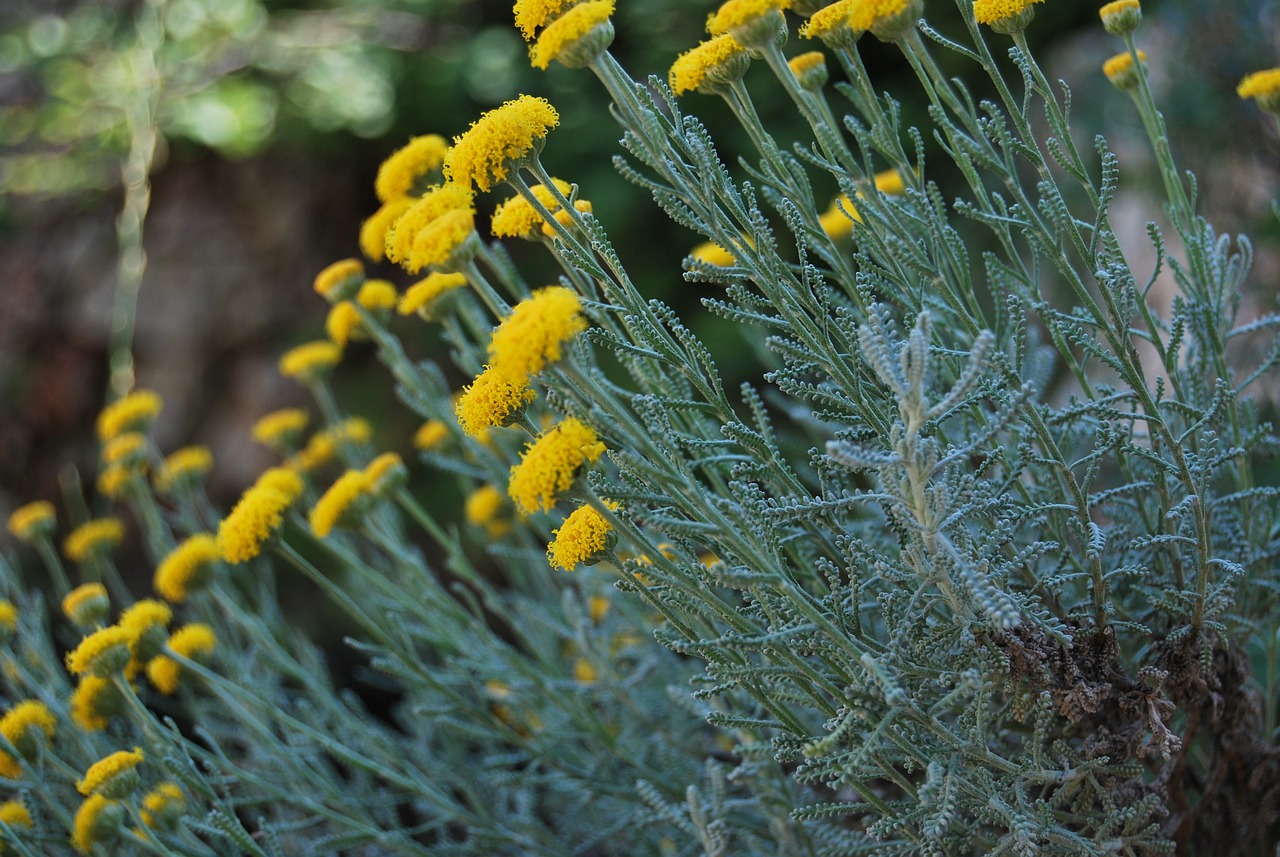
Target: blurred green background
{"x":273,"y":117}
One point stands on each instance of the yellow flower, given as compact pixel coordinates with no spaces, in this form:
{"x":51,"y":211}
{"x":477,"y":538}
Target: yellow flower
{"x":405,"y":168}
{"x":94,"y":702}
{"x":339,"y":280}
{"x":1004,"y":16}
{"x":33,"y":521}
{"x":517,"y":218}
{"x":14,"y":814}
{"x":709,"y":66}
{"x":837,"y":221}
{"x":310,"y":361}
{"x":97,"y":822}
{"x":1263,"y":87}
{"x":386,"y":473}
{"x":534,"y":335}
{"x":429,"y":231}
{"x":113,"y":480}
{"x":577,"y":37}
{"x":323,"y":446}
{"x":548,"y":466}
{"x":430,"y":434}
{"x":890,"y":182}
{"x":597,"y":608}
{"x":752,"y":22}
{"x":281,"y":429}
{"x":258,"y":515}
{"x":830,"y":23}
{"x":113,"y":776}
{"x":193,"y":642}
{"x":423,"y":294}
{"x":482,"y":509}
{"x":506,"y":134}
{"x":532,"y":14}
{"x":93,"y":539}
{"x":342,"y":495}
{"x":8,"y":617}
{"x":373,"y":232}
{"x":889,"y":19}
{"x":132,"y":412}
{"x":810,"y":70}
{"x":342,"y":322}
{"x":583,"y":671}
{"x":185,"y":466}
{"x":124,"y":448}
{"x":582,"y":539}
{"x":1121,"y":17}
{"x":187,"y":568}
{"x":102,"y":653}
{"x":713,"y":254}
{"x":493,"y":399}
{"x":1120,"y":70}
{"x":87,"y":604}
{"x":26,"y":725}
{"x":163,"y":806}
{"x":146,"y":620}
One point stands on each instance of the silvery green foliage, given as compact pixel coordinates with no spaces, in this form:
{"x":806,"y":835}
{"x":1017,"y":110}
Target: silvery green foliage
{"x":976,"y":565}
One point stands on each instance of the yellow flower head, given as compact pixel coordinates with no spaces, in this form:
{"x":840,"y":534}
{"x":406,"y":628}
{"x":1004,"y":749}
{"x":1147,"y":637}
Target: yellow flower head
{"x":890,"y":182}
{"x":187,"y":568}
{"x":709,"y":66}
{"x":163,"y":806}
{"x":185,"y":466}
{"x":193,"y":642}
{"x":583,"y":671}
{"x":280,"y":430}
{"x":810,"y":70}
{"x":146,"y":620}
{"x":131,"y":413}
{"x":831,"y":24}
{"x":86,"y":605}
{"x":93,"y":539}
{"x":8,"y":617}
{"x":430,"y":434}
{"x":533,"y":336}
{"x":837,"y":221}
{"x":422,"y":295}
{"x":342,"y":324}
{"x":493,"y":399}
{"x":323,"y":446}
{"x":549,"y":465}
{"x":754,"y":23}
{"x":14,"y":814}
{"x":506,"y":134}
{"x":114,"y":776}
{"x":443,"y":242}
{"x":422,"y":235}
{"x":1004,"y":16}
{"x":408,"y":167}
{"x":26,"y":725}
{"x":33,"y":521}
{"x":713,"y":254}
{"x":1121,"y":17}
{"x":338,"y":501}
{"x":97,"y":822}
{"x":373,"y":232}
{"x":532,"y":14}
{"x":386,"y":473}
{"x":597,"y":608}
{"x":113,"y":480}
{"x":583,"y":538}
{"x":1263,"y":87}
{"x":575,"y":38}
{"x":483,"y":508}
{"x":1120,"y":70}
{"x":94,"y":702}
{"x":517,"y":218}
{"x":339,"y":280}
{"x":889,"y":19}
{"x":258,"y":515}
{"x":126,"y":448}
{"x":102,"y":653}
{"x":310,"y":361}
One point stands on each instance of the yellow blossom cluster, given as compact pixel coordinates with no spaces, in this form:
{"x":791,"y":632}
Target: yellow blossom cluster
{"x":498,"y":139}
{"x":549,"y":465}
{"x":258,"y":514}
